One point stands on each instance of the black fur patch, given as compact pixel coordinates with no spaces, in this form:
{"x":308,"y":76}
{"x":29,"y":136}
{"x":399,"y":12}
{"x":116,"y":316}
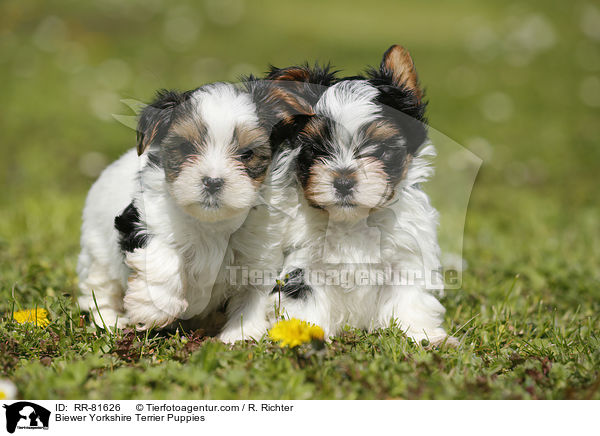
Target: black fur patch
{"x":402,"y":106}
{"x":175,"y":152}
{"x":154,"y":159}
{"x":399,"y":97}
{"x":294,"y":286}
{"x":133,"y":233}
{"x":254,"y":151}
{"x":155,"y":118}
{"x":315,"y":144}
{"x":384,"y":145}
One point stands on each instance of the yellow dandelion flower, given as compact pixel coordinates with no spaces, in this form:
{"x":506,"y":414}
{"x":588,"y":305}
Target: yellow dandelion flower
{"x":39,"y":317}
{"x":293,"y":332}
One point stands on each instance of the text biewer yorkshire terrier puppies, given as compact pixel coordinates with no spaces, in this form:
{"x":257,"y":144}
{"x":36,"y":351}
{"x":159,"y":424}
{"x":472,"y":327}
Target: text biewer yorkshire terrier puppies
{"x":156,"y":228}
{"x":346,"y":201}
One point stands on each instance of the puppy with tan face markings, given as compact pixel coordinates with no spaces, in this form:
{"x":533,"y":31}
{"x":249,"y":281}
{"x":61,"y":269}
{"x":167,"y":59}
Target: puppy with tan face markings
{"x":157,"y":223}
{"x":358,"y":234}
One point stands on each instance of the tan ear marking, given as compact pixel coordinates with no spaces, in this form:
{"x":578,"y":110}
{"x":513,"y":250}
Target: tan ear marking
{"x":293,"y":105}
{"x":146,"y":140}
{"x":294,"y":74}
{"x":140,"y":145}
{"x":398,"y":60}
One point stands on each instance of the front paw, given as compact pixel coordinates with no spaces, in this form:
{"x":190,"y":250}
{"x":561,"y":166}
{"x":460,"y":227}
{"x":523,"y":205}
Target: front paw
{"x":446,"y":341}
{"x":233,"y":334}
{"x":109,"y":318}
{"x":230,"y":336}
{"x":146,"y":315}
{"x":436,"y":340}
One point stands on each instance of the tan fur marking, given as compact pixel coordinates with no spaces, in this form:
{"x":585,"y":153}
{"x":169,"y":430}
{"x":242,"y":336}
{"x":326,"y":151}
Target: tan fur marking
{"x":294,"y":74}
{"x":187,"y":128}
{"x":313,"y":128}
{"x":400,"y":63}
{"x":293,"y":105}
{"x":246,"y":136}
{"x":381,"y":130}
{"x":146,"y":141}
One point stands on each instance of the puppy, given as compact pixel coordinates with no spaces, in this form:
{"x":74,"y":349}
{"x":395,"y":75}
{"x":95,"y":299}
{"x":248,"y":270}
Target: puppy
{"x":157,"y":223}
{"x":358,"y":234}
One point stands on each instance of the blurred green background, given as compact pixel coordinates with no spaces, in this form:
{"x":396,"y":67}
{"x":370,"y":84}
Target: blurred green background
{"x":516,"y":82}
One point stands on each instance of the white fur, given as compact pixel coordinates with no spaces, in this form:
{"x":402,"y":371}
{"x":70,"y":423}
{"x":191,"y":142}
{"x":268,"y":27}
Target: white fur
{"x":399,"y":235}
{"x":179,"y":274}
{"x":350,"y":103}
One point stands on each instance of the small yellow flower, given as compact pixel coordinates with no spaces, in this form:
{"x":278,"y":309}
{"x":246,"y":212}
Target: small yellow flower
{"x":293,"y":332}
{"x":8,"y":391}
{"x":39,"y":317}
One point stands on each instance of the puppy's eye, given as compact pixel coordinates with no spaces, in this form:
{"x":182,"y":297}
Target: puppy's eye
{"x":387,"y":155}
{"x":246,"y":154}
{"x":391,"y":155}
{"x":184,"y":148}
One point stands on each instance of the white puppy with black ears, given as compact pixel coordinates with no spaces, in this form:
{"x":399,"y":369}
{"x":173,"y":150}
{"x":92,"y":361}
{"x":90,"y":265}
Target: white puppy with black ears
{"x":359,"y":241}
{"x":156,"y":227}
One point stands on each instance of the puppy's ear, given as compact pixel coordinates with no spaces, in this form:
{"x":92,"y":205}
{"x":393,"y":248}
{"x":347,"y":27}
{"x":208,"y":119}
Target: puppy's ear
{"x":307,"y":83}
{"x":156,"y":118}
{"x":294,"y":91}
{"x":399,"y":66}
{"x":292,"y":111}
{"x":276,"y":102}
{"x":281,"y":106}
{"x":288,"y":128}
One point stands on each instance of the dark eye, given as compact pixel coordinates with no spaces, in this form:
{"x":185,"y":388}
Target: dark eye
{"x":183,"y":148}
{"x":387,"y":155}
{"x":246,"y":154}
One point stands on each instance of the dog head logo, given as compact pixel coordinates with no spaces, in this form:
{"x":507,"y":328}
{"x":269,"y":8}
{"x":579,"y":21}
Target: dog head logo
{"x":26,"y":415}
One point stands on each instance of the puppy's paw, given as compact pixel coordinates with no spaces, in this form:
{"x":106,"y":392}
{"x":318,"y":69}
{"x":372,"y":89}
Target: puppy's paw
{"x":433,"y":338}
{"x":150,"y":305}
{"x":446,"y":341}
{"x":109,"y":318}
{"x":151,"y":320}
{"x":232,"y":335}
{"x":146,"y":315}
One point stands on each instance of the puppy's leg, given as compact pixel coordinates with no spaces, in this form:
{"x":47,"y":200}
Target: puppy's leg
{"x":246,"y":316}
{"x":415,"y":311}
{"x":97,"y":282}
{"x":155,"y":294}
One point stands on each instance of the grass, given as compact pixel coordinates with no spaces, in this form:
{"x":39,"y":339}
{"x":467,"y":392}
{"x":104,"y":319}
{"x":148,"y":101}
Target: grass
{"x":527,"y":314}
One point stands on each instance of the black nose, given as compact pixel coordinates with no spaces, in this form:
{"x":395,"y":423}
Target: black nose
{"x":212,"y":185}
{"x":343,"y":185}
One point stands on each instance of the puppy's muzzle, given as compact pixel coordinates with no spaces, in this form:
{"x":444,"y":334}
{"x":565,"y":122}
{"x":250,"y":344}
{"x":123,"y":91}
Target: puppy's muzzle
{"x":212,"y":185}
{"x":343,"y":186}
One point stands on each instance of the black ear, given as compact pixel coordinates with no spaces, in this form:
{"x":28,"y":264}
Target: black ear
{"x":156,"y":118}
